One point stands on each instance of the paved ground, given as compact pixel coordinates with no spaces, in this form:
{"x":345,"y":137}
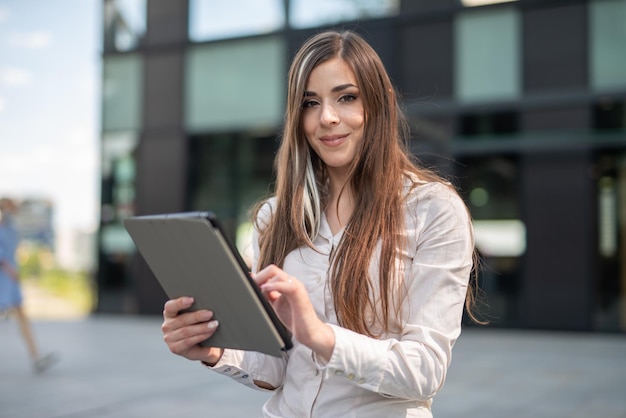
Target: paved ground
{"x":118,"y":367}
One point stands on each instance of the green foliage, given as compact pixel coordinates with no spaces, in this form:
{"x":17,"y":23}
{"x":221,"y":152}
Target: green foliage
{"x":31,"y":264}
{"x":75,"y":287}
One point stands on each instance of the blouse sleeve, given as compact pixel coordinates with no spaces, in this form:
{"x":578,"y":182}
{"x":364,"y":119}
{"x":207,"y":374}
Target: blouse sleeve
{"x":414,"y":365}
{"x":245,"y":366}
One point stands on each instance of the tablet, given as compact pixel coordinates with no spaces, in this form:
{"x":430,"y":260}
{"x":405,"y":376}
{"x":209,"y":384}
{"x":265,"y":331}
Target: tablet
{"x":190,"y":255}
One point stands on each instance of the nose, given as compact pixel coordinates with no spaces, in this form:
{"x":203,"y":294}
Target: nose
{"x":329,"y":115}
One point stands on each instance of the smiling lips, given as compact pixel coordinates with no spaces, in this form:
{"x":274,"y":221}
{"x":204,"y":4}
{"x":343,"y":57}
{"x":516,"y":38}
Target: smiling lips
{"x":333,"y":140}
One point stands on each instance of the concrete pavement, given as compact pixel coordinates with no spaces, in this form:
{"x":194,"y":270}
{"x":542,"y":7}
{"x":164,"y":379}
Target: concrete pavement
{"x":118,"y":367}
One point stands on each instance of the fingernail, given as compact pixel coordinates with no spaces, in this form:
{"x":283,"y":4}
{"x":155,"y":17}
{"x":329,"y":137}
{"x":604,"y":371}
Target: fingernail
{"x":188,"y":300}
{"x":212,"y":324}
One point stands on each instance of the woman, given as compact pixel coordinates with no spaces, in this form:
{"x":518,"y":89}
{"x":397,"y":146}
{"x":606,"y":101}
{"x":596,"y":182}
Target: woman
{"x":364,"y":256}
{"x":10,"y":291}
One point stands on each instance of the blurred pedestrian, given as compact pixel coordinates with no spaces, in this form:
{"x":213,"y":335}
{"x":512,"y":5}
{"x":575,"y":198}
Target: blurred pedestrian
{"x":365,"y":255}
{"x":11,"y":300}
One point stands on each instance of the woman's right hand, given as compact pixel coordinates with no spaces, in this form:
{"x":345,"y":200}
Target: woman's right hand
{"x":183,"y":332}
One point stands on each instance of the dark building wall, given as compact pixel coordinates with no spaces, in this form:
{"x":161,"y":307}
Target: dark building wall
{"x":557,"y":284}
{"x":426,"y":59}
{"x":555,"y":47}
{"x":557,"y":290}
{"x":552,"y":118}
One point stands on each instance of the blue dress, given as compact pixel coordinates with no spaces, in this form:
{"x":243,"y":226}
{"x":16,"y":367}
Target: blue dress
{"x":10,"y":291}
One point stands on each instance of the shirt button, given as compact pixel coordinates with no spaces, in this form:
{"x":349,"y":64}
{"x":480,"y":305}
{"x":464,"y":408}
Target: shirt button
{"x":338,"y":372}
{"x":361,"y":381}
{"x":351,"y":376}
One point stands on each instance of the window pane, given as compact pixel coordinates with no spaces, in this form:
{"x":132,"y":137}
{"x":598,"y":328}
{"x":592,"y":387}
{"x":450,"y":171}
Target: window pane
{"x":487,"y":55}
{"x":235,"y":85}
{"x":608,"y":43}
{"x":491,"y":188}
{"x":229,"y":173}
{"x":609,"y":115}
{"x":610,"y":288}
{"x":118,"y":175}
{"x":497,"y":124}
{"x":211,"y":19}
{"x":121,"y":93}
{"x":118,"y":190}
{"x":307,"y":14}
{"x":124,"y":24}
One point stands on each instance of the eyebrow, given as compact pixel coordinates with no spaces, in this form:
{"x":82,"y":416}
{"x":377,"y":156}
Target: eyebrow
{"x":334,"y":89}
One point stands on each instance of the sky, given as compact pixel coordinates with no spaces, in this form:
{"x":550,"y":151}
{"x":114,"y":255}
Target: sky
{"x":50,"y":66}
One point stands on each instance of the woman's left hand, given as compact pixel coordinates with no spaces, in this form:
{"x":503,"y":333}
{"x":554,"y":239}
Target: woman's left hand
{"x":291,"y":302}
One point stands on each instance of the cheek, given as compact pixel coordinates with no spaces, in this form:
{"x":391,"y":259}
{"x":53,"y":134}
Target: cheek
{"x":308,"y":124}
{"x":355,"y":118}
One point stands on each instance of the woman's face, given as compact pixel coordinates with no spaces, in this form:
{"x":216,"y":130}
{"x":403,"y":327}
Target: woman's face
{"x":332,"y":114}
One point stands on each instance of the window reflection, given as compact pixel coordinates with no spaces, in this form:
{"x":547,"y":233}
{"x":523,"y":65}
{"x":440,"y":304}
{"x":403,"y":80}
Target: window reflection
{"x":235,"y":85}
{"x":116,"y":248}
{"x":610,"y":292}
{"x":124,"y":24}
{"x":495,"y":123}
{"x":491,"y":188}
{"x":307,"y":14}
{"x":118,"y":175}
{"x":609,"y":115}
{"x":228,"y":174}
{"x":607,"y":37}
{"x":121,"y":92}
{"x":487,"y":66}
{"x":501,"y":237}
{"x":210,"y":19}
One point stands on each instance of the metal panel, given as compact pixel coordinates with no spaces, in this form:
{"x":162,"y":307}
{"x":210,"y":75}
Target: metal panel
{"x":558,"y":206}
{"x":554,"y":47}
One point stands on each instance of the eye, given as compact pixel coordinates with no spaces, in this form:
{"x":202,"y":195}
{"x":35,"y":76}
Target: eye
{"x":346,"y":98}
{"x":309,"y":103}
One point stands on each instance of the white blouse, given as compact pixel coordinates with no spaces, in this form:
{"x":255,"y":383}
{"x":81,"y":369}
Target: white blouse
{"x":397,"y":374}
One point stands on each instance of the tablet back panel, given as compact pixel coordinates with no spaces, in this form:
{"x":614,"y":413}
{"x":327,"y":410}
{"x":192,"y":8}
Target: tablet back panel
{"x":189,"y":256}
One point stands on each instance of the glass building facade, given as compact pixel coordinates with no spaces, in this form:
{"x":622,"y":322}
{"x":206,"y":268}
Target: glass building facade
{"x":522,"y":103}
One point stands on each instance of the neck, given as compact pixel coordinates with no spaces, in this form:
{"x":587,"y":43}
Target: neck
{"x":338,"y":180}
{"x":341,"y":204}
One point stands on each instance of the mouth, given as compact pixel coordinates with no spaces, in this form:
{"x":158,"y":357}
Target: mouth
{"x":333,"y":140}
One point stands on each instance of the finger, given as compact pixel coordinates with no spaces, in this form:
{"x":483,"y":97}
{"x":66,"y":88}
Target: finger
{"x":266,"y":274}
{"x":272,"y":296}
{"x":187,"y":346}
{"x":187,"y":319}
{"x":174,"y":306}
{"x":186,"y":340}
{"x":204,"y":329}
{"x":283,"y":283}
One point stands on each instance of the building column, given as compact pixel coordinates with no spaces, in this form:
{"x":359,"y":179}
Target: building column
{"x":162,"y":152}
{"x":559,"y":207}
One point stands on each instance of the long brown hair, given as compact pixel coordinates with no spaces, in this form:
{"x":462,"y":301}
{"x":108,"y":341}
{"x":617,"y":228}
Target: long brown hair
{"x":378,"y":174}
